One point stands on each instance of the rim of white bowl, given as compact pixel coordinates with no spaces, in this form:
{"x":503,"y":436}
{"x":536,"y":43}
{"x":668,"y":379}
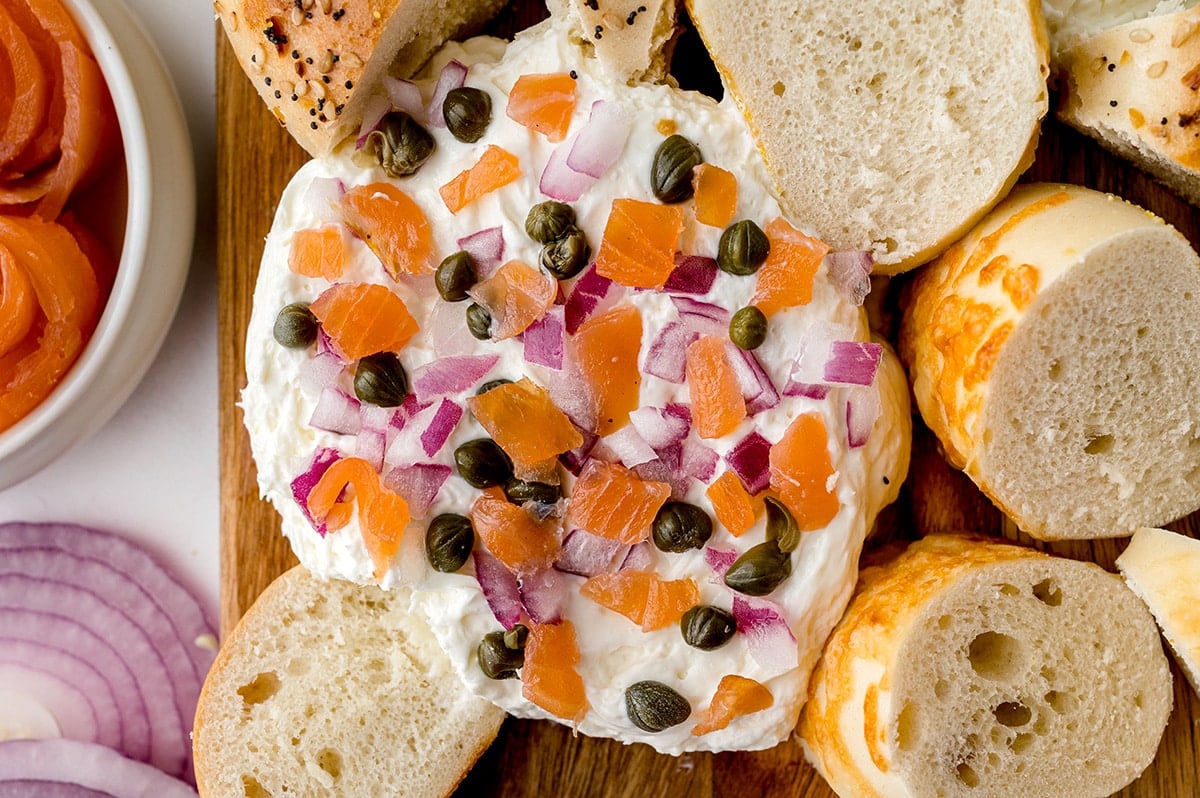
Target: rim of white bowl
{"x":151,"y":144}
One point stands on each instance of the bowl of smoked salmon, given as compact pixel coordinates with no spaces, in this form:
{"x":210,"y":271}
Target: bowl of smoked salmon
{"x":97,"y":215}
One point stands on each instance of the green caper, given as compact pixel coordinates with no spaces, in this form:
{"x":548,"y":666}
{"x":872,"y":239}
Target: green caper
{"x":671,"y":170}
{"x":515,"y":637}
{"x":490,"y":384}
{"x":448,"y":542}
{"x":380,"y":380}
{"x":518,"y":491}
{"x":748,"y":328}
{"x":653,"y":707}
{"x":479,"y":321}
{"x":499,"y":660}
{"x":707,"y":627}
{"x":549,"y":221}
{"x":295,"y":326}
{"x":482,"y":463}
{"x":468,"y":112}
{"x":679,"y":526}
{"x":399,"y":144}
{"x":743,"y":248}
{"x":566,"y":256}
{"x":781,"y":526}
{"x":759,"y":570}
{"x":455,"y":275}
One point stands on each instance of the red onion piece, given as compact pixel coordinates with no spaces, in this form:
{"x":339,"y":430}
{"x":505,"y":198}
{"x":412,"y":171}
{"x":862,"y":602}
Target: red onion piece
{"x":320,"y":372}
{"x":703,"y":317}
{"x":405,"y":96}
{"x":67,"y":669}
{"x":629,"y":447}
{"x":813,"y":351}
{"x":667,"y":356}
{"x":452,"y":76}
{"x":719,"y":559}
{"x":29,"y":788}
{"x":863,"y":407}
{"x":768,"y":636}
{"x":499,"y":587}
{"x":544,"y":595}
{"x":375,"y":418}
{"x":86,"y":765}
{"x":587,"y":555}
{"x":586,"y":295}
{"x":852,"y":362}
{"x":757,"y":388}
{"x":446,"y":327}
{"x":699,"y":461}
{"x":693,"y":274}
{"x":850,"y":273}
{"x":749,"y":459}
{"x":639,"y":558}
{"x":577,"y":458}
{"x":559,"y":181}
{"x":322,"y":198}
{"x":407,"y":446}
{"x":374,"y":111}
{"x":451,"y":375}
{"x":486,"y":248}
{"x":666,"y":469}
{"x":806,"y":389}
{"x":418,"y":484}
{"x":336,"y":411}
{"x":661,"y":428}
{"x":303,"y":484}
{"x":370,"y":445}
{"x":545,"y":339}
{"x":444,"y":420}
{"x":69,"y":712}
{"x":600,"y":142}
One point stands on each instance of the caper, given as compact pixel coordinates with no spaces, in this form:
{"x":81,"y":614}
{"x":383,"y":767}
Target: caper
{"x":743,"y":248}
{"x":295,"y":326}
{"x":515,"y":637}
{"x":490,"y":384}
{"x":455,"y":275}
{"x":671,"y":170}
{"x":380,"y":380}
{"x":653,"y":707}
{"x":566,"y":256}
{"x":518,"y":491}
{"x":448,"y":542}
{"x":759,"y":570}
{"x":549,"y":221}
{"x":482,"y":463}
{"x":679,"y":526}
{"x":498,"y":659}
{"x":707,"y":627}
{"x":781,"y":526}
{"x":468,"y":112}
{"x":399,"y":144}
{"x":748,"y":328}
{"x":479,"y":321}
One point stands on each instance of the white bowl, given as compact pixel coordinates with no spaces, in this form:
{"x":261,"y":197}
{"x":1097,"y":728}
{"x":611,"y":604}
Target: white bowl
{"x":158,"y":229}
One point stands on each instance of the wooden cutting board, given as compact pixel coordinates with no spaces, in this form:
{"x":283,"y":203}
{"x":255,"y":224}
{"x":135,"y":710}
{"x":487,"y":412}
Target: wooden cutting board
{"x":255,"y":159}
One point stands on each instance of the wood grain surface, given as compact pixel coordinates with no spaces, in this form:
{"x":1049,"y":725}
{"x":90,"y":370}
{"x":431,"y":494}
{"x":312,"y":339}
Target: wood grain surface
{"x":255,"y":159}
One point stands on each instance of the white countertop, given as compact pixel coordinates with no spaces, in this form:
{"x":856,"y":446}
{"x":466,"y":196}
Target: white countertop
{"x":151,"y":472}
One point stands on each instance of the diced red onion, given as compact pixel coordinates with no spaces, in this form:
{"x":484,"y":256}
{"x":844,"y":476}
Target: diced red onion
{"x":768,"y":636}
{"x":629,"y":447}
{"x":600,"y":142}
{"x":444,"y":420}
{"x":374,"y":111}
{"x":693,"y":274}
{"x":405,"y":96}
{"x":666,"y":469}
{"x":370,"y":445}
{"x":703,"y":317}
{"x":750,"y":460}
{"x":418,"y":484}
{"x":452,"y":76}
{"x":639,"y":558}
{"x":545,"y":339}
{"x":587,"y":555}
{"x":451,"y":375}
{"x":850,"y":273}
{"x":575,"y":459}
{"x":586,"y":295}
{"x":719,"y":559}
{"x":75,"y":766}
{"x":863,"y":407}
{"x":303,"y":484}
{"x":374,"y":417}
{"x":699,"y":461}
{"x":661,"y":427}
{"x":852,"y":362}
{"x":320,"y":372}
{"x":667,"y":356}
{"x":446,"y":326}
{"x":813,"y":351}
{"x":559,"y":181}
{"x":499,"y":587}
{"x":806,"y":389}
{"x":322,"y":197}
{"x":757,"y":388}
{"x":486,"y":248}
{"x":336,"y":411}
{"x":544,"y":595}
{"x":412,"y":440}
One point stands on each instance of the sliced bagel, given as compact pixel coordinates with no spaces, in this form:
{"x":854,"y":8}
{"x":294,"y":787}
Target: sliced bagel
{"x":334,"y":689}
{"x":628,"y":37}
{"x":1052,"y":352}
{"x":966,"y":667}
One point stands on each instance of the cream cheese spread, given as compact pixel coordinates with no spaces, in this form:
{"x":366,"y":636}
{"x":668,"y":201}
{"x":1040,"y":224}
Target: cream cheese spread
{"x":615,"y":652}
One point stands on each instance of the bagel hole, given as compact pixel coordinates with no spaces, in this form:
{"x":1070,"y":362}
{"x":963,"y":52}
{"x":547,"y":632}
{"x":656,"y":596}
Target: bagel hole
{"x":1048,"y":593}
{"x":996,"y":656}
{"x":259,"y":689}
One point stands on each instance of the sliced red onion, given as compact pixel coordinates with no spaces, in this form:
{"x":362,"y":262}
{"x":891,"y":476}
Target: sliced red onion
{"x":37,"y":659}
{"x":451,"y":375}
{"x":303,"y":484}
{"x":667,"y":356}
{"x":850,"y":273}
{"x":376,"y":108}
{"x":703,"y":317}
{"x":813,"y":351}
{"x":545,"y":339}
{"x":444,"y":420}
{"x":768,"y":636}
{"x":544,"y":595}
{"x":757,"y":388}
{"x":806,"y":389}
{"x":719,"y":559}
{"x":336,"y":411}
{"x":486,"y":248}
{"x":587,"y":555}
{"x":47,"y":705}
{"x":586,"y":295}
{"x":576,"y":459}
{"x":699,"y":461}
{"x":693,"y":274}
{"x":559,"y":181}
{"x":852,"y":362}
{"x":418,"y":484}
{"x":600,"y":142}
{"x":639,"y":558}
{"x":629,"y":447}
{"x":499,"y":587}
{"x":660,"y":427}
{"x":92,"y":767}
{"x":863,"y":408}
{"x":405,"y":96}
{"x":322,"y":198}
{"x":452,"y":76}
{"x":750,"y":460}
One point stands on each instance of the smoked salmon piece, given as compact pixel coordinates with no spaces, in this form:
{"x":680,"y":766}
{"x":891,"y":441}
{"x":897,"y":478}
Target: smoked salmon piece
{"x":496,"y":168}
{"x":25,"y":84}
{"x":642,"y":597}
{"x":611,"y":501}
{"x":607,"y":348}
{"x":364,"y":319}
{"x":514,"y":537}
{"x":786,"y":277}
{"x":731,"y":502}
{"x":525,"y":423}
{"x":549,"y":677}
{"x":735,"y":696}
{"x":802,"y":472}
{"x":516,"y":296}
{"x":543,"y":103}
{"x":638,"y":246}
{"x":319,"y":252}
{"x":715,"y":195}
{"x":382,"y":514}
{"x":717,"y":404}
{"x":17,"y":303}
{"x":393,"y":225}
